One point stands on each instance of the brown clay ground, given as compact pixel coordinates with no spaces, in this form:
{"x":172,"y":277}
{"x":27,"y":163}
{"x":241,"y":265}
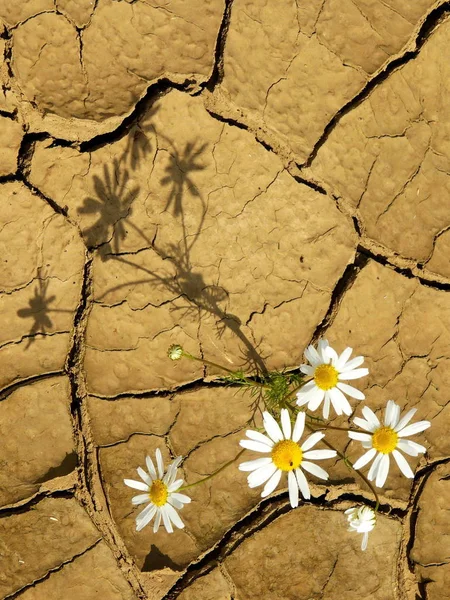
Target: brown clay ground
{"x":240,"y":177}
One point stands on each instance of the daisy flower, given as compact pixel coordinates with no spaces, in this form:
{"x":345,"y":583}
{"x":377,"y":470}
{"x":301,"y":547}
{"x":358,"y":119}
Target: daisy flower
{"x":386,"y":439}
{"x":160,"y":494}
{"x":361,"y":519}
{"x":285,"y":455}
{"x":328,"y":370}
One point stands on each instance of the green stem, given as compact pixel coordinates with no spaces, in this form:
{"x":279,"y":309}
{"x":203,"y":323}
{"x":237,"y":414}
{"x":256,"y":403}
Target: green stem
{"x":210,"y":363}
{"x":230,"y":462}
{"x":323,"y":426}
{"x":345,"y":459}
{"x":207,"y":362}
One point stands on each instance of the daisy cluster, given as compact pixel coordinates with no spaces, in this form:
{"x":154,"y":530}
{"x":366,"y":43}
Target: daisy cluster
{"x":288,"y":445}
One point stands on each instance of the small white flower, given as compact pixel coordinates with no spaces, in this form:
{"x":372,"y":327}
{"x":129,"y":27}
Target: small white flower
{"x":160,"y":493}
{"x":361,"y":519}
{"x":175,"y":352}
{"x":387,"y":439}
{"x":286,"y":455}
{"x":327,"y":370}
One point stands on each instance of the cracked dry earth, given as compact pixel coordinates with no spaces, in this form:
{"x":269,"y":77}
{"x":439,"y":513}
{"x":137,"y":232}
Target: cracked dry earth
{"x":240,"y":177}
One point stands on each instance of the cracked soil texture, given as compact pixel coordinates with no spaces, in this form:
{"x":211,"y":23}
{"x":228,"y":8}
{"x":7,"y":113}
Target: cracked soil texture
{"x":239,"y":177}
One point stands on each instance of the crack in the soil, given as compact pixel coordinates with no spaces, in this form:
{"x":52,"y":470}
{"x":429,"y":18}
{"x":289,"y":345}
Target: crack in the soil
{"x":154,"y":92}
{"x":194,"y":385}
{"x":90,"y":492}
{"x":410,"y":525}
{"x":24,"y":505}
{"x":217,"y":72}
{"x":266,"y":512}
{"x":19,"y":592}
{"x":9,"y":389}
{"x":343,"y":285}
{"x":404,"y":271}
{"x":429,"y":24}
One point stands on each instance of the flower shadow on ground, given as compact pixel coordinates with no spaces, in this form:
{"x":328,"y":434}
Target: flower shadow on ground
{"x":39,"y":310}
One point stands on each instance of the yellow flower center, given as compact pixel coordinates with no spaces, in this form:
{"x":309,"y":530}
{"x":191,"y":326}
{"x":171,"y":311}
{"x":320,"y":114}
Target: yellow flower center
{"x":287,"y":455}
{"x":158,"y":492}
{"x":384,"y":440}
{"x":325,"y":377}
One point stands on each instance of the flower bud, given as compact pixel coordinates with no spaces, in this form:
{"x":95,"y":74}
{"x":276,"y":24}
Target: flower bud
{"x":175,"y":352}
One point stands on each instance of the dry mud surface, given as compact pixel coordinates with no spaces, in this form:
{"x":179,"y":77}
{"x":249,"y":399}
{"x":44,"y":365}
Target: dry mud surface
{"x":240,"y":177}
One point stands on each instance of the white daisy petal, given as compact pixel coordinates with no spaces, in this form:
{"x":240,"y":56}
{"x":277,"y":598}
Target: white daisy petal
{"x":354,"y":374}
{"x":168,"y":474}
{"x":306,"y":388}
{"x":252,"y":465}
{"x":352,"y":364}
{"x":150,"y":508}
{"x":326,"y":406}
{"x":255,"y":446}
{"x":175,"y":485}
{"x":334,"y":401}
{"x":315,"y":398}
{"x":302,"y":484}
{"x":371,"y":417}
{"x":395,"y":416}
{"x":176,"y":462}
{"x":365,"y":527}
{"x":365,"y":540}
{"x":171,"y":474}
{"x":405,"y":419}
{"x":174,"y":516}
{"x":144,"y":476}
{"x":160,"y":463}
{"x":338,"y":397}
{"x":259,"y":437}
{"x":181,"y":497}
{"x":136,"y":485}
{"x":140,"y":499}
{"x":362,"y":437}
{"x":364,"y":459}
{"x":261,"y":475}
{"x":332,"y":354}
{"x":174,"y":502}
{"x":364,"y":424}
{"x":286,"y":424}
{"x":298,"y":427}
{"x":343,"y":358}
{"x":310,"y":396}
{"x":166,"y":519}
{"x":374,"y":467}
{"x":350,"y":391}
{"x":410,"y":447}
{"x":301,"y":400}
{"x":312,"y":356}
{"x":151,"y":467}
{"x":272,"y":483}
{"x":388,"y":412}
{"x":322,"y":345}
{"x":157,"y":521}
{"x":402,"y":464}
{"x":314,"y":469}
{"x":312,"y":440}
{"x":320,"y":454}
{"x":307,"y":369}
{"x":272,"y":428}
{"x":413,"y":428}
{"x":293,"y":489}
{"x":145,"y":516}
{"x":383,"y":470}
